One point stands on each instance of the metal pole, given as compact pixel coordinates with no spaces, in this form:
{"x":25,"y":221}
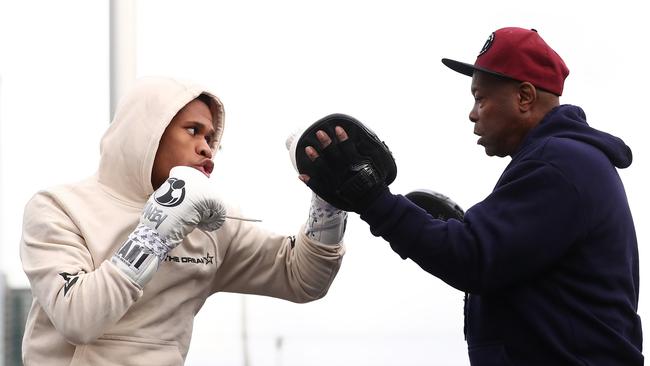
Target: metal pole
{"x":3,"y":283}
{"x":122,"y":49}
{"x":3,"y":321}
{"x":278,"y":350}
{"x":244,"y":333}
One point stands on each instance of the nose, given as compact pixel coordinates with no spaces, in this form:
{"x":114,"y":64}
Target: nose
{"x":473,"y":114}
{"x":204,"y":149}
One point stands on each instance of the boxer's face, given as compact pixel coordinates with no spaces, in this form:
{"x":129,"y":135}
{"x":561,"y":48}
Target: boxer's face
{"x":188,"y":140}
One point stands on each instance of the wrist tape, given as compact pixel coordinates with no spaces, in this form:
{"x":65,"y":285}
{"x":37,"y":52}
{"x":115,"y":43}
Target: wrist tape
{"x":326,"y":223}
{"x":140,"y":255}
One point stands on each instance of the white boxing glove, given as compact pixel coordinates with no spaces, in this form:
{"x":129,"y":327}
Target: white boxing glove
{"x":185,"y":201}
{"x":326,"y":223}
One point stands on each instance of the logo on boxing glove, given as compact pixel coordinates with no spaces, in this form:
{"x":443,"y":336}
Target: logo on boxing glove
{"x":171,"y":195}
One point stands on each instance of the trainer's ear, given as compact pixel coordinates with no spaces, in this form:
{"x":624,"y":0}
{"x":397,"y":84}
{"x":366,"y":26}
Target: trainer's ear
{"x":527,"y":95}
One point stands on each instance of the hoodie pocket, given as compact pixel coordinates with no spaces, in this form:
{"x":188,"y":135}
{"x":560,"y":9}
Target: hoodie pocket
{"x":119,"y":350}
{"x":490,"y":354}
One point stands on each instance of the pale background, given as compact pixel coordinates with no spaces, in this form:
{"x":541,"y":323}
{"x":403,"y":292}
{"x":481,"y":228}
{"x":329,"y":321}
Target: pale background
{"x":280,"y":65}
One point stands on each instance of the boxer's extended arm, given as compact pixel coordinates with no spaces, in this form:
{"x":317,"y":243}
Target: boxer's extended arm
{"x":298,"y":268}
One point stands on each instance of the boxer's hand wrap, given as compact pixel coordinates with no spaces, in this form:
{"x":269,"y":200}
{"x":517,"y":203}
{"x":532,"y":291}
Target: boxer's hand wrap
{"x":348,"y":174}
{"x":140,"y":255}
{"x":185,"y":201}
{"x":326,"y":223}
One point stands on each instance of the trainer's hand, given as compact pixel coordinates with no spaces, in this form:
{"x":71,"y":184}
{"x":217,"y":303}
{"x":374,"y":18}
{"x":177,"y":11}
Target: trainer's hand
{"x":343,"y":169}
{"x":325,"y":141}
{"x":342,"y":161}
{"x":185,"y":201}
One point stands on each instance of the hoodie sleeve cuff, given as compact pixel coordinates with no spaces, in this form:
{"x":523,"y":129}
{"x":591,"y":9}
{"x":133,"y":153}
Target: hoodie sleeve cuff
{"x":383,"y":215}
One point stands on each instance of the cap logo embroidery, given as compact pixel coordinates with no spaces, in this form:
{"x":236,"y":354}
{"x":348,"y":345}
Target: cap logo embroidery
{"x":487,"y":44}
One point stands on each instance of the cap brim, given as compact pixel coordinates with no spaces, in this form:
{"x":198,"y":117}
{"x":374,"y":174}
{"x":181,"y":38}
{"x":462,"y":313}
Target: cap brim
{"x":468,"y":69}
{"x":461,"y":67}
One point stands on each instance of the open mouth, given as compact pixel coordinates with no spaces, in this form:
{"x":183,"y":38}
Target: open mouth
{"x":205,"y":167}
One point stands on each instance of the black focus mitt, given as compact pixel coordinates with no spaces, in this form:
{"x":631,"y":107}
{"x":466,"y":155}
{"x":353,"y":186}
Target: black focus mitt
{"x":348,"y":174}
{"x":437,"y":205}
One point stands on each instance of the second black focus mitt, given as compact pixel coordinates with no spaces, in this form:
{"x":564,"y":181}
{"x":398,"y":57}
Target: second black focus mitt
{"x":436,"y":204}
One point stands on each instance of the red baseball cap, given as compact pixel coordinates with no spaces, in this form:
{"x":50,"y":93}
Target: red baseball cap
{"x":519,"y":54}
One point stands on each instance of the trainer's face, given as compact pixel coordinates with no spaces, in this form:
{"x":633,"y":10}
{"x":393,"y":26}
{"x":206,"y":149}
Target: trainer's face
{"x":496,"y":114}
{"x":188,"y":140}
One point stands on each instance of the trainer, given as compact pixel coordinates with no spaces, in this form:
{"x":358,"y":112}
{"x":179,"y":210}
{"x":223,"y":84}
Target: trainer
{"x":549,"y":259}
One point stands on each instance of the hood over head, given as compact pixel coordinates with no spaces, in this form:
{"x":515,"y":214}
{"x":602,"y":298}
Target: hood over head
{"x":569,"y":121}
{"x":128,"y":148}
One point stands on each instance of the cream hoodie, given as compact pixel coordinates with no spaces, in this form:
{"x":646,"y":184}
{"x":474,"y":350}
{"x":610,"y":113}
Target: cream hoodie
{"x":86,"y":312}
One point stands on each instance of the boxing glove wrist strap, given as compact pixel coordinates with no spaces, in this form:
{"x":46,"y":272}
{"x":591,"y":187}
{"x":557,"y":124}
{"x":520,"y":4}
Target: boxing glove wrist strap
{"x":326,"y":223}
{"x":141,"y":254}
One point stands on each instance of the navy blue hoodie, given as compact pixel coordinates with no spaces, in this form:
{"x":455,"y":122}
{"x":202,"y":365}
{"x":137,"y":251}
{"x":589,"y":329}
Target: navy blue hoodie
{"x":549,"y":258}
